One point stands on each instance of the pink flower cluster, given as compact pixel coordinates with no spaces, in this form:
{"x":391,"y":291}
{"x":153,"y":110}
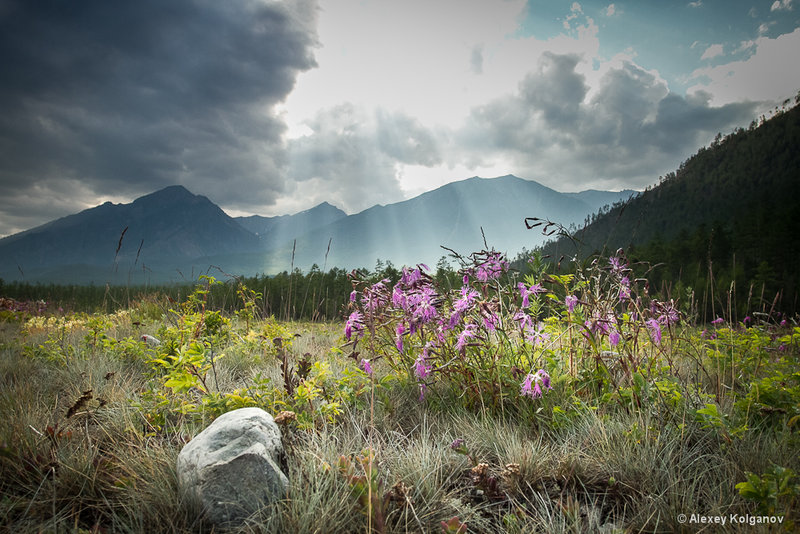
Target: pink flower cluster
{"x":533,"y":384}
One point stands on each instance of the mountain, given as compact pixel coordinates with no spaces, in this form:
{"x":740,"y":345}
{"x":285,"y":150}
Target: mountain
{"x":173,"y":235}
{"x":157,"y":232}
{"x":274,"y":229}
{"x":457,"y":215}
{"x":732,"y":208}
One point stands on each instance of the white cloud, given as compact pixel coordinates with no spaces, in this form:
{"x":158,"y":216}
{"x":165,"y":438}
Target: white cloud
{"x":616,"y":126}
{"x":415,"y":56}
{"x":696,"y":4}
{"x":611,"y":10}
{"x":354,"y":158}
{"x":767,"y":75}
{"x":781,"y":5}
{"x":712,"y":52}
{"x":744,"y":46}
{"x":574,"y":12}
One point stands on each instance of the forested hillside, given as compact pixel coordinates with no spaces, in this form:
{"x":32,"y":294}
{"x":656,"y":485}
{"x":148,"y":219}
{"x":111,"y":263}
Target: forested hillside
{"x":728,"y":215}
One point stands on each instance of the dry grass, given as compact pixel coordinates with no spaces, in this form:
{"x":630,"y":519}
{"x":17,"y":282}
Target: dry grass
{"x":102,"y":469}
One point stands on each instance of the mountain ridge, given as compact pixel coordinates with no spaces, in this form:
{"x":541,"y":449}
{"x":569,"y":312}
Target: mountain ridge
{"x":171,"y":231}
{"x":452,"y":215}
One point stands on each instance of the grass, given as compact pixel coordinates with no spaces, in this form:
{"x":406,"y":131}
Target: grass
{"x":591,"y":455}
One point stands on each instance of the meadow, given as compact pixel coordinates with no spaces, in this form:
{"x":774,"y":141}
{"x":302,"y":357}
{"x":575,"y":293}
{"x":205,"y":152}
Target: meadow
{"x":495,"y":401}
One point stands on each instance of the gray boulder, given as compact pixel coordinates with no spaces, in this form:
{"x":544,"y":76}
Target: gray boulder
{"x":234,"y":467}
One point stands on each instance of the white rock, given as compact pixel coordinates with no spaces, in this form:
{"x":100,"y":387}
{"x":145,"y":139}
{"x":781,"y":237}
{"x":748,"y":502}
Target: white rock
{"x":235,"y":466}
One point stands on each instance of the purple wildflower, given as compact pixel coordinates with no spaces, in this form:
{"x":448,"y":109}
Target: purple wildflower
{"x":454,"y":319}
{"x":530,"y":387}
{"x":490,"y":321}
{"x":375,"y":296}
{"x":468,"y":296}
{"x":536,"y":333}
{"x":421,"y":367}
{"x":421,"y":304}
{"x":668,"y":312}
{"x":366,"y":367}
{"x":616,"y":263}
{"x":545,"y":378}
{"x":440,"y":331}
{"x":398,"y":297}
{"x":492,"y":268}
{"x":354,"y":324}
{"x":747,"y":320}
{"x":410,"y":276}
{"x":523,"y":319}
{"x":399,"y":339}
{"x":624,"y":288}
{"x":423,"y":387}
{"x":597,"y":323}
{"x":570,"y":302}
{"x":613,"y":337}
{"x":353,"y":295}
{"x":526,"y":386}
{"x":469,"y":331}
{"x":655,"y":330}
{"x":718,"y":320}
{"x":533,"y":382}
{"x":526,"y":292}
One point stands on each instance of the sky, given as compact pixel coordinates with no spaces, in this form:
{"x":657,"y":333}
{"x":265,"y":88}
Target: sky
{"x":272,"y":107}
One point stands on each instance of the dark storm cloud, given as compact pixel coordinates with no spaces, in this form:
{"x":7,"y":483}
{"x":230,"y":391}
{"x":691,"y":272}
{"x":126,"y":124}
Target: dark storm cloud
{"x":406,"y":140}
{"x":353,"y":156}
{"x":557,"y":129}
{"x":126,"y":97}
{"x":555,"y":89}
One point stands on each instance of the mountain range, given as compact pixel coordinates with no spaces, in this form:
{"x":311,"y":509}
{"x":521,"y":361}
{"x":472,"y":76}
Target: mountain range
{"x":172,"y":235}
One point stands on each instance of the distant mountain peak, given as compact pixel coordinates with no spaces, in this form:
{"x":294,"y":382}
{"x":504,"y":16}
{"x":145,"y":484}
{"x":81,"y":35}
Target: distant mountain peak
{"x":325,"y":206}
{"x":171,"y":197}
{"x":174,"y":192}
{"x":176,"y":187}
